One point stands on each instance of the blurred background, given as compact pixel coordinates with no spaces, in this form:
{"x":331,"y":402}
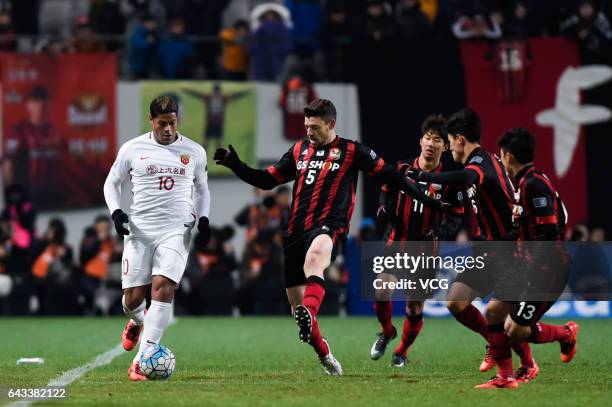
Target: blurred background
{"x":77,"y":77}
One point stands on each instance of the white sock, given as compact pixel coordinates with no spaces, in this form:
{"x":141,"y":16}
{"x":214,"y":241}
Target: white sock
{"x":137,"y":315}
{"x":155,"y":323}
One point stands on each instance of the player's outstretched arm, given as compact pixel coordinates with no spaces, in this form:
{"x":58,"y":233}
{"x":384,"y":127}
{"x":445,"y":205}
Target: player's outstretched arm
{"x":261,"y":179}
{"x":460,"y":177}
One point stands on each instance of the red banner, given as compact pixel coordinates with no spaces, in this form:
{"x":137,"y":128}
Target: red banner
{"x":58,"y":127}
{"x":515,"y":85}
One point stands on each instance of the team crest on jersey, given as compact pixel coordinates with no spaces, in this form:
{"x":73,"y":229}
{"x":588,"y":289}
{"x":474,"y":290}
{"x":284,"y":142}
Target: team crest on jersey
{"x":184,"y":159}
{"x":151,"y":169}
{"x":335,"y":153}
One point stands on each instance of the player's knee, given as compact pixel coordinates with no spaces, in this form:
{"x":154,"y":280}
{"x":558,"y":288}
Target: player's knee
{"x":162,"y":289}
{"x":315,"y":264}
{"x":383,"y":295}
{"x":414,"y":308}
{"x":455,"y":307}
{"x":133,"y":297}
{"x":493,"y":315}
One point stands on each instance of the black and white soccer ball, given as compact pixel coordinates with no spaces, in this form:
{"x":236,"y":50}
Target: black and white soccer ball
{"x":158,"y":363}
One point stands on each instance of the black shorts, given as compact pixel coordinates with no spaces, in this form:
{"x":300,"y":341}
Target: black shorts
{"x":422,"y":275}
{"x":502,"y":278}
{"x":527,"y":313}
{"x":295,"y":254}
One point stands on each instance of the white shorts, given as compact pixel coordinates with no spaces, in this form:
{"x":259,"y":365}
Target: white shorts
{"x":145,"y":256}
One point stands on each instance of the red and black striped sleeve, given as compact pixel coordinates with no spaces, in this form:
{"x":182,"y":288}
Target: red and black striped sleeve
{"x":284,"y":170}
{"x":541,"y":206}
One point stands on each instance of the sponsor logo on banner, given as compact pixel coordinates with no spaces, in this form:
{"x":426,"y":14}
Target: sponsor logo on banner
{"x":88,"y":109}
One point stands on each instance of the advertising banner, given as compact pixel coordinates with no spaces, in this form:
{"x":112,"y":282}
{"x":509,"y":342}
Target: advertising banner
{"x":58,"y":126}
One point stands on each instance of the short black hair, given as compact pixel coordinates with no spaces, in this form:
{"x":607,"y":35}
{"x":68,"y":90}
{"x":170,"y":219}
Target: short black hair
{"x":435,"y":123}
{"x":322,"y":108}
{"x":162,"y":105}
{"x":520,"y":143}
{"x":465,"y":122}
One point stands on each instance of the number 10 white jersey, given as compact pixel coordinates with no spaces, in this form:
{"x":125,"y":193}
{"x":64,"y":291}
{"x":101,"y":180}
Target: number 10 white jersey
{"x":169,"y":184}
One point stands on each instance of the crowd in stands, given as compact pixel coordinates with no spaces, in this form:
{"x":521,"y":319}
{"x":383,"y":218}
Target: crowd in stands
{"x":266,"y":40}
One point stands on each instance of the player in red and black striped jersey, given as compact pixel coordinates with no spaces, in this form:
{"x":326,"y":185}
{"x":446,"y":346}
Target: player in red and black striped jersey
{"x":409,"y":220}
{"x":325,"y":168}
{"x":543,"y":219}
{"x":492,"y":196}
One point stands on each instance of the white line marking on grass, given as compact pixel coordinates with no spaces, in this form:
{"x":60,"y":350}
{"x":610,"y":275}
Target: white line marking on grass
{"x":70,"y":376}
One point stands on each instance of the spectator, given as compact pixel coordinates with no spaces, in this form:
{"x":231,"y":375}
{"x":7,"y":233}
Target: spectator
{"x":261,"y":290}
{"x":591,"y":29}
{"x":270,"y":45}
{"x":176,"y":52}
{"x":143,"y":48}
{"x":378,"y":25}
{"x":136,"y":10}
{"x":520,"y":24}
{"x":98,"y":250}
{"x":235,"y":42}
{"x":283,"y":202}
{"x":261,"y":215}
{"x":105,"y":18}
{"x":24,"y":15}
{"x":20,"y":216}
{"x":336,"y":37}
{"x":209,"y":275}
{"x":478,"y":24}
{"x":7,"y":33}
{"x":306,"y":16}
{"x":53,"y":270}
{"x":412,"y":24}
{"x":83,"y":40}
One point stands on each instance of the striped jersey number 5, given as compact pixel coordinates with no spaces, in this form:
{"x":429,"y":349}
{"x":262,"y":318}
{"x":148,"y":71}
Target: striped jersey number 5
{"x":166,"y":183}
{"x":310,"y":176}
{"x":525,"y":311}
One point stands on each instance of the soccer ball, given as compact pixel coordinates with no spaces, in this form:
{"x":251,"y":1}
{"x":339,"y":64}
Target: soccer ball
{"x":158,"y":363}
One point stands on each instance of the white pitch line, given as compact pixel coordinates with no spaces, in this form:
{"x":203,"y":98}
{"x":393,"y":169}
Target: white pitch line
{"x":70,"y":376}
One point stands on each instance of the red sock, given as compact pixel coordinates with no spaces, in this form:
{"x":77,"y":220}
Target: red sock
{"x":313,"y":295}
{"x":412,"y":327}
{"x":384,"y":312}
{"x":544,"y":333}
{"x":523,"y":350}
{"x":500,"y":350}
{"x":317,"y":342}
{"x":473,"y":319}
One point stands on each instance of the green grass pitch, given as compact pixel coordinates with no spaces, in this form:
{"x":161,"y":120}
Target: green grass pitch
{"x":259,"y":361}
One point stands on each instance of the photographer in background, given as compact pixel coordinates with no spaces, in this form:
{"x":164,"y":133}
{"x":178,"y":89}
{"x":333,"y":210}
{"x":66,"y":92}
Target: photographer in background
{"x":208,"y":285}
{"x":53,"y":272}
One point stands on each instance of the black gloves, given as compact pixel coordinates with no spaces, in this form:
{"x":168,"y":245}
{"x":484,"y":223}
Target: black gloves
{"x":227,"y":158}
{"x":119,"y":218}
{"x":204,"y":230}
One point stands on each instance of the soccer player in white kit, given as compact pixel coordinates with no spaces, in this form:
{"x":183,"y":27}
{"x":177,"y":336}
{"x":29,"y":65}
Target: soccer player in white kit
{"x":169,"y":178}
